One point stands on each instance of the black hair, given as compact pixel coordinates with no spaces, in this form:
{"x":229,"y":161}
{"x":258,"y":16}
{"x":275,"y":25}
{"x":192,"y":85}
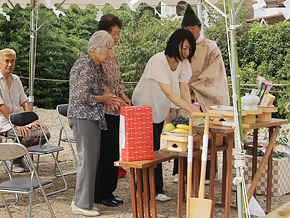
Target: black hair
{"x":108,"y":21}
{"x":177,"y":38}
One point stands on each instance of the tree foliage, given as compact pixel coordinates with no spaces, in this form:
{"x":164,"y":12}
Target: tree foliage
{"x":262,"y":50}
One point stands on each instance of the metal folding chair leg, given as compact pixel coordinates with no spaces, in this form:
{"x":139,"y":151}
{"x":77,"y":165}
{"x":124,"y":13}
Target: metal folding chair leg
{"x":61,"y":175}
{"x":10,"y":177}
{"x":6,"y":205}
{"x":65,"y":174}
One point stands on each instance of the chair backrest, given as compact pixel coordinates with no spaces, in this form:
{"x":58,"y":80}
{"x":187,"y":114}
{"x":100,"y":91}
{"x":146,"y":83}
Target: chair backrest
{"x":9,"y":151}
{"x":23,"y":118}
{"x":62,"y":109}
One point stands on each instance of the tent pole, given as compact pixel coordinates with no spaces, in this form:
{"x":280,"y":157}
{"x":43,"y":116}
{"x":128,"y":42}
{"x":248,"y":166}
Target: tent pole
{"x":32,"y":53}
{"x":199,"y":14}
{"x":236,"y":104}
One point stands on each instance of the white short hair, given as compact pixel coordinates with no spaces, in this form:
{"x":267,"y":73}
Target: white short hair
{"x":7,"y":51}
{"x":99,"y":40}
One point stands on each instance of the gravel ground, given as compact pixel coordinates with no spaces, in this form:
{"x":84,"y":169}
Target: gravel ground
{"x":61,"y":202}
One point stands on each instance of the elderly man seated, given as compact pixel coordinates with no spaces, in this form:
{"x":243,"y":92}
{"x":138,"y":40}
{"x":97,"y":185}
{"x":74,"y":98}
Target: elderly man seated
{"x":12,"y":98}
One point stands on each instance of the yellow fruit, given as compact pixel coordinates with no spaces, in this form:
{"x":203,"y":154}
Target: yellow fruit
{"x":168,"y":127}
{"x":182,"y":126}
{"x":180,"y":131}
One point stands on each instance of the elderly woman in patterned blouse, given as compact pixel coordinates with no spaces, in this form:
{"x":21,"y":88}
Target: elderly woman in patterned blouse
{"x":86,"y":117}
{"x":107,"y":173}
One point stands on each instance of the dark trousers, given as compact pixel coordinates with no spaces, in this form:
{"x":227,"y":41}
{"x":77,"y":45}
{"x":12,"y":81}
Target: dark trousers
{"x":107,"y":173}
{"x":157,"y":130}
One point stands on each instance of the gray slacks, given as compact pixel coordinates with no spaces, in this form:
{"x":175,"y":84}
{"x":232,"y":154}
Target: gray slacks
{"x":87,"y":134}
{"x":31,"y":139}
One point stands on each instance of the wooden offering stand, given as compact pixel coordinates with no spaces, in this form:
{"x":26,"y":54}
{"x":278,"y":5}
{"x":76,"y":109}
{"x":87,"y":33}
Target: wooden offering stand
{"x":248,"y":116}
{"x":266,"y":113}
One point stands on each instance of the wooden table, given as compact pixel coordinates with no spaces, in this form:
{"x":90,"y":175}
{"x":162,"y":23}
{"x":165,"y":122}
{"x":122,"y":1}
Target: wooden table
{"x":226,"y":147}
{"x":142,"y":168}
{"x":273,"y":127}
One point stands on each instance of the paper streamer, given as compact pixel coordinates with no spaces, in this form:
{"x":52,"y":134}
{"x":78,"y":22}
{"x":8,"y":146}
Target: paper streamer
{"x":4,"y":14}
{"x":156,"y":12}
{"x":190,"y":148}
{"x":132,"y":3}
{"x":57,"y":12}
{"x":99,"y":15}
{"x":204,"y":148}
{"x":205,"y":16}
{"x":286,"y":12}
{"x":259,"y":4}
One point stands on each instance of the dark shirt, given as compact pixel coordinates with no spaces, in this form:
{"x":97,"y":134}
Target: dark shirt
{"x":85,"y":85}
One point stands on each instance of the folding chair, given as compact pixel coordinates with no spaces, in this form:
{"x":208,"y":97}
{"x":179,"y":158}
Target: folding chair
{"x":22,"y":185}
{"x":61,"y":113}
{"x":9,"y":171}
{"x":25,"y":118}
{"x":5,"y":139}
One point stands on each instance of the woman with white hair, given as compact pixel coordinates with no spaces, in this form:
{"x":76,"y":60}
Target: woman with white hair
{"x":87,"y":119}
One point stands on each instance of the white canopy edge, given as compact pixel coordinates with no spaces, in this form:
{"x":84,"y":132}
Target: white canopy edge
{"x":99,"y":3}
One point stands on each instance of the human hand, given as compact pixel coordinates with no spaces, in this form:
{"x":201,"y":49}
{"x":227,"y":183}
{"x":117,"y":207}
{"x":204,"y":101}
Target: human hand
{"x":124,"y":103}
{"x":112,"y":101}
{"x":35,"y":124}
{"x":124,"y":97}
{"x":193,"y":108}
{"x":23,"y":130}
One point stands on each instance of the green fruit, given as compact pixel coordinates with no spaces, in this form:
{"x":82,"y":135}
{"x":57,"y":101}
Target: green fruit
{"x":168,"y":127}
{"x":197,"y":121}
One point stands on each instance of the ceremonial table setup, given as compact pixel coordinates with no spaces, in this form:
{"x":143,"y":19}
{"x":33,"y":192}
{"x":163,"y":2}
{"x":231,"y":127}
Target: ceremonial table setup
{"x":221,"y":138}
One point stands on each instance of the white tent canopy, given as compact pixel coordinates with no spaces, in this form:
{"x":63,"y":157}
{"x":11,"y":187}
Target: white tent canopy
{"x":98,"y":3}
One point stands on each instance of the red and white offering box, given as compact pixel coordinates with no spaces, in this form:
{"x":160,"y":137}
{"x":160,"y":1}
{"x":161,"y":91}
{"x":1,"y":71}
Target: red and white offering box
{"x":136,"y":133}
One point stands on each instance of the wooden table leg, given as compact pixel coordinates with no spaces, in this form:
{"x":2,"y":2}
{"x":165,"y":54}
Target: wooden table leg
{"x":212,"y":170}
{"x":133,"y":193}
{"x":269,"y":176}
{"x":229,"y":176}
{"x":258,"y":174}
{"x":146,"y":192}
{"x":139,"y":193}
{"x":152,"y":192}
{"x":224,"y":176}
{"x":255,"y":154}
{"x":196,"y":176}
{"x":180,"y":193}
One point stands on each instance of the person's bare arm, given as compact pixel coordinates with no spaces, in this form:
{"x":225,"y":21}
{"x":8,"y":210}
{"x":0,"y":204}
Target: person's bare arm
{"x":5,"y":111}
{"x":173,"y":97}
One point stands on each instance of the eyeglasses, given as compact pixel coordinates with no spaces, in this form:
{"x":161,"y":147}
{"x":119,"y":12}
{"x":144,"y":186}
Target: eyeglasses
{"x":104,"y":50}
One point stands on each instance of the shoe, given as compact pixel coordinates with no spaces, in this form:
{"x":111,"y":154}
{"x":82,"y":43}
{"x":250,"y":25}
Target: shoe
{"x":175,"y":180}
{"x":94,"y":208}
{"x":17,"y":168}
{"x":118,"y":200}
{"x":207,"y":182}
{"x":85,"y":212}
{"x":24,"y":164}
{"x":109,"y":202}
{"x":162,"y":198}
